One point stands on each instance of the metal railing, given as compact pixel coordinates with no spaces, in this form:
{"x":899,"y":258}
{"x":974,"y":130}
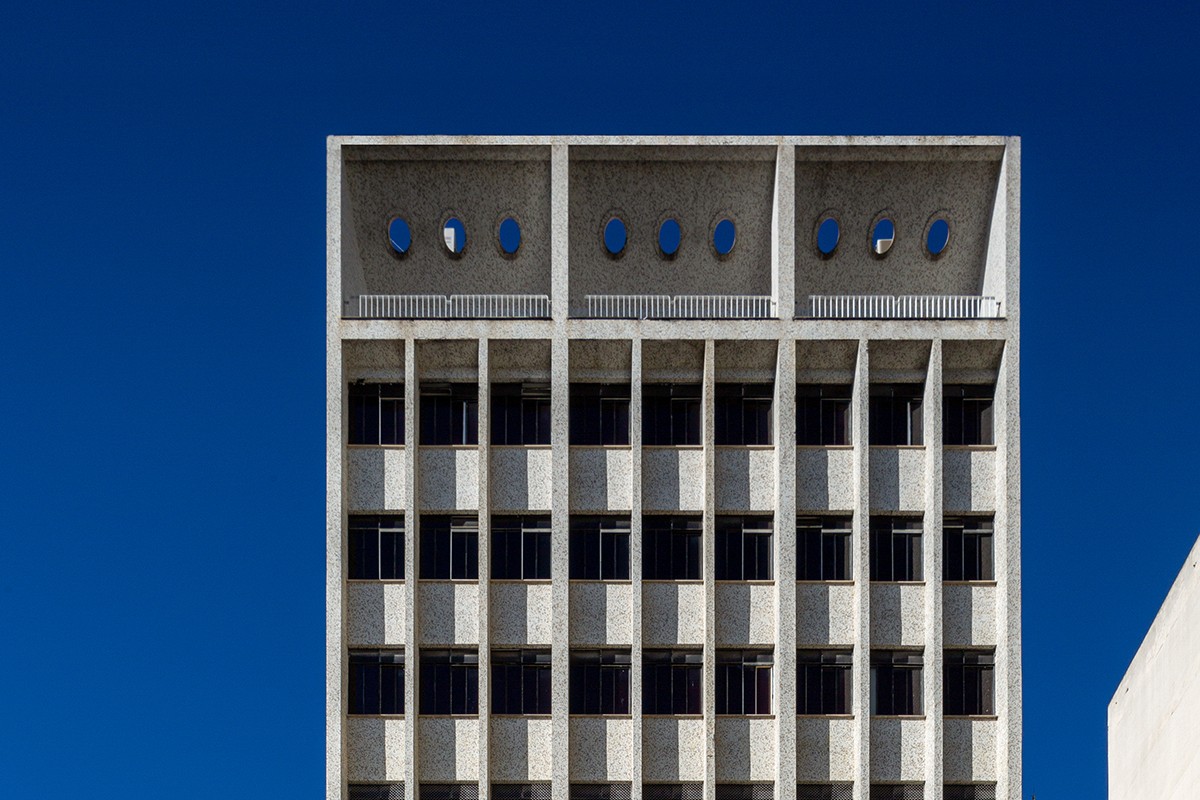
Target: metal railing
{"x":905,"y":306}
{"x":689,"y":306}
{"x":456,"y":306}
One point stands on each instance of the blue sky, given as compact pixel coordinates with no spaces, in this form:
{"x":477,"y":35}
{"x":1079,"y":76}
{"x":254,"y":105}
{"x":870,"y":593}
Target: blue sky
{"x":162,"y":273}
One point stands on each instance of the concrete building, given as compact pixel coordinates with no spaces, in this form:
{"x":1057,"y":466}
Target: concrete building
{"x":1154,"y":716}
{"x":673,"y":468}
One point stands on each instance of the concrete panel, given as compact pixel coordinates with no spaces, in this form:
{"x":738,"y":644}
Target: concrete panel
{"x":601,"y":613}
{"x":448,"y":748}
{"x":672,"y":749}
{"x":824,"y":749}
{"x":449,"y":478}
{"x":745,"y":613}
{"x":520,"y":478}
{"x":897,"y":479}
{"x":601,"y":479}
{"x":969,"y":479}
{"x":520,"y":748}
{"x":670,"y":479}
{"x":897,"y":614}
{"x":745,"y":479}
{"x":745,"y":749}
{"x":602,"y":749}
{"x":376,"y":478}
{"x":374,"y":749}
{"x":969,"y":750}
{"x":375,"y":613}
{"x":824,"y":479}
{"x":897,"y":749}
{"x":824,"y":614}
{"x":968,"y":614}
{"x":448,"y":612}
{"x":672,"y":613}
{"x":520,"y":613}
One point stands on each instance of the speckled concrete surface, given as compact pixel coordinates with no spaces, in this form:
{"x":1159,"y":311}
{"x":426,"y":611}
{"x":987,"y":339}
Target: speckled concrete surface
{"x":520,"y":749}
{"x":969,"y":615}
{"x":449,"y":478}
{"x":745,"y":749}
{"x":897,"y":749}
{"x":825,"y":614}
{"x":970,"y":749}
{"x":745,"y":613}
{"x":520,"y":478}
{"x":745,"y":479}
{"x":673,"y":749}
{"x":824,"y":749}
{"x":449,"y":748}
{"x":969,"y":477}
{"x":374,"y":749}
{"x":897,"y":479}
{"x":824,"y":479}
{"x":897,"y":614}
{"x":602,"y":749}
{"x":375,"y":613}
{"x":520,"y":613}
{"x":670,"y":479}
{"x":376,"y":478}
{"x":448,"y":613}
{"x":672,"y":613}
{"x":601,"y":613}
{"x":601,"y":479}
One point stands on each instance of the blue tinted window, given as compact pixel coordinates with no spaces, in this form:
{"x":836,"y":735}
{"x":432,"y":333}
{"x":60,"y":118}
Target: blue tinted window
{"x":724,"y":236}
{"x":510,"y":236}
{"x":400,"y":236}
{"x":614,"y":236}
{"x":939,"y":236}
{"x":883,"y":236}
{"x":828,"y":234}
{"x":454,"y":235}
{"x":669,"y":237}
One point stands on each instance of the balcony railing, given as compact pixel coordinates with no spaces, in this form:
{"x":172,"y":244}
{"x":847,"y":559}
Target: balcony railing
{"x":905,"y":306}
{"x":455,"y":306}
{"x":693,"y":306}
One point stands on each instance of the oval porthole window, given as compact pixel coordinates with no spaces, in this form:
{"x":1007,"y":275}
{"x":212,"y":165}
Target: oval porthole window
{"x":669,"y":237}
{"x":724,"y":235}
{"x":828,"y":234}
{"x":938,"y":238}
{"x":454,"y":235}
{"x":883,"y":236}
{"x":614,"y":236}
{"x":399,"y":235}
{"x":510,"y":236}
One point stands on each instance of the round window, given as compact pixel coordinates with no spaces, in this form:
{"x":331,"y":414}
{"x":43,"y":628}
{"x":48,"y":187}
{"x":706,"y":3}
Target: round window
{"x":938,"y":237}
{"x":883,"y":236}
{"x":615,"y":236}
{"x":828,"y":233}
{"x":669,"y":237}
{"x":399,"y":235}
{"x":510,"y":236}
{"x":454,"y":235}
{"x":724,"y":236}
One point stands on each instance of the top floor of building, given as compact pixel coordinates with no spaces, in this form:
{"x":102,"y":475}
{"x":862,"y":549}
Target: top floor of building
{"x":781,"y":228}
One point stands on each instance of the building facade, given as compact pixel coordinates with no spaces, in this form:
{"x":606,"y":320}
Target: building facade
{"x":1154,"y":716}
{"x":673,"y":468}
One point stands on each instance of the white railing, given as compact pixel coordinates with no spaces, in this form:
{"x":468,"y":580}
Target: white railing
{"x":905,"y":306}
{"x":456,"y":306}
{"x":692,"y":306}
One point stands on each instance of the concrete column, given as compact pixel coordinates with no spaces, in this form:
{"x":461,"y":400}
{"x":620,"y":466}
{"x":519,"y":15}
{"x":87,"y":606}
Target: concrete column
{"x":1007,"y":544}
{"x":707,"y":437}
{"x":336,"y":654}
{"x":412,"y":560}
{"x":635,"y":564}
{"x":783,"y":234}
{"x":932,"y":534}
{"x":559,"y":226}
{"x":560,"y":568}
{"x":861,"y":686}
{"x":785,"y":571}
{"x":485,"y":571}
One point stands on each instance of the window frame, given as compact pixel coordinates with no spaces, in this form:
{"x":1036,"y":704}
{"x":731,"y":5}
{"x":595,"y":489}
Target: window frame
{"x":904,"y":673}
{"x":532,"y":534}
{"x":834,"y":535}
{"x":749,"y":671}
{"x":959,"y":426}
{"x":599,"y":414}
{"x":896,"y":415}
{"x":604,"y":672}
{"x":681,"y":671}
{"x":453,"y":670}
{"x":969,"y":683}
{"x":901,"y":540}
{"x":368,"y":406}
{"x":823,"y":404}
{"x":677,"y":538}
{"x":461,"y":547}
{"x":672,"y":414}
{"x":831,"y":670}
{"x":521,"y":414}
{"x":968,"y":549}
{"x":369,"y":540}
{"x":452,"y":406}
{"x":388,"y":671}
{"x":744,"y":544}
{"x":742,"y":414}
{"x":609,"y":540}
{"x":521,"y":682}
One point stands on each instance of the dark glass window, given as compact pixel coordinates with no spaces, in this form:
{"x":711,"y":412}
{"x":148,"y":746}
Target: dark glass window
{"x":671,"y":681}
{"x":673,"y":791}
{"x":449,"y":547}
{"x":896,"y":549}
{"x":825,"y":791}
{"x":599,"y":681}
{"x":896,"y":415}
{"x":897,"y":791}
{"x":823,"y":549}
{"x":449,"y":791}
{"x":967,"y":549}
{"x":376,"y":413}
{"x":449,"y":682}
{"x":744,"y":550}
{"x":671,"y":548}
{"x":745,"y":791}
{"x":600,"y":791}
{"x":376,"y":682}
{"x":599,"y":413}
{"x":599,"y":548}
{"x":823,"y":681}
{"x":671,"y":413}
{"x":743,"y":413}
{"x":967,"y":414}
{"x":823,"y":414}
{"x":375,"y":791}
{"x":520,"y":681}
{"x":970,"y":791}
{"x":744,"y":681}
{"x":449,"y":413}
{"x":969,"y":682}
{"x":520,"y":791}
{"x":520,"y":413}
{"x":521,"y":548}
{"x":896,"y":682}
{"x":376,"y":547}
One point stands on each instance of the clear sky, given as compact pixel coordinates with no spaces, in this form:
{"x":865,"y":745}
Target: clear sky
{"x":162,"y":246}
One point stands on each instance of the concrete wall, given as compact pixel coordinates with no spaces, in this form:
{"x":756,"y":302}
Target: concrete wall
{"x":1153,"y":716}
